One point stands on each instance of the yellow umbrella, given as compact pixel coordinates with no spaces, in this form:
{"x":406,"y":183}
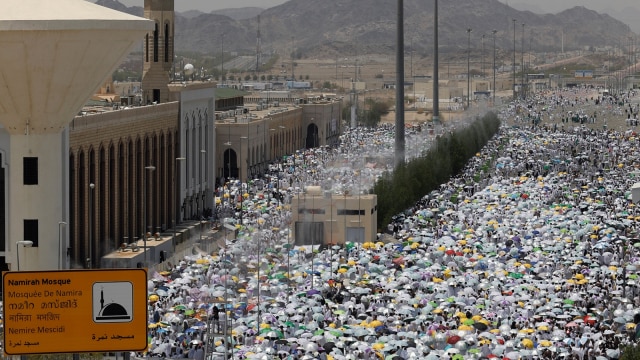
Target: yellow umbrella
{"x":375,"y":323}
{"x":494,"y":331}
{"x":466,"y":328}
{"x":630,"y":325}
{"x":527,"y":343}
{"x":152,"y":326}
{"x":154,"y":298}
{"x":377,"y":346}
{"x":545,"y":343}
{"x":543,"y":328}
{"x":437,"y":311}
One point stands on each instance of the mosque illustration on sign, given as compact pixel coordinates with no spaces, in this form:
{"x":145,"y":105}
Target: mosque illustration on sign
{"x":111,"y":312}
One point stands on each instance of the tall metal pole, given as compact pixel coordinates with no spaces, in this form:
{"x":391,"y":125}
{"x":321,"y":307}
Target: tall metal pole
{"x":240,"y":175}
{"x":399,"y":131}
{"x":176,"y":188}
{"x":202,"y":189}
{"x":469,"y":68}
{"x":222,"y":61}
{"x":61,"y":253}
{"x":90,"y":258}
{"x":144,"y":210}
{"x":482,"y":64}
{"x":522,"y":63}
{"x":436,"y":80}
{"x":513,"y":64}
{"x":494,"y":66}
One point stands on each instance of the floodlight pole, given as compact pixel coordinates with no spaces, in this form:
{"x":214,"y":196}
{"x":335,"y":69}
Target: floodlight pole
{"x":436,"y":79}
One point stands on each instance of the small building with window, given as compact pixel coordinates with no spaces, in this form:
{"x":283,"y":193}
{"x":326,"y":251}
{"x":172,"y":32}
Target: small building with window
{"x":322,"y":217}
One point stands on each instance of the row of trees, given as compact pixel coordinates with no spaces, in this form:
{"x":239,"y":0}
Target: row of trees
{"x":412,"y":180}
{"x":370,"y":114}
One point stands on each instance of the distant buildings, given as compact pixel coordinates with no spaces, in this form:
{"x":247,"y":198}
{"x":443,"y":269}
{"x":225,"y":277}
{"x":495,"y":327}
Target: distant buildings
{"x":194,"y":136}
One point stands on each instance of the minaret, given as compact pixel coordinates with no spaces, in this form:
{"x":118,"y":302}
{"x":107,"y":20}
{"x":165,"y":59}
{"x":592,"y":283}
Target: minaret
{"x":157,"y":51}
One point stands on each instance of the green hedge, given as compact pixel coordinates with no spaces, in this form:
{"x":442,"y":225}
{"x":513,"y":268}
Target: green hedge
{"x":412,"y":180}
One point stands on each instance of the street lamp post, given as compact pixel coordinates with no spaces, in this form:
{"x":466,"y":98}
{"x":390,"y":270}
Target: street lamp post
{"x":469,"y":68}
{"x":494,"y":66}
{"x":144,"y":211}
{"x":513,"y":64}
{"x":90,"y":258}
{"x":240,"y":175}
{"x":24,"y":243}
{"x":482,"y":64}
{"x":222,"y":78}
{"x":202,"y":190}
{"x":436,"y":76}
{"x":522,"y":63}
{"x":176,"y":199}
{"x":61,"y":253}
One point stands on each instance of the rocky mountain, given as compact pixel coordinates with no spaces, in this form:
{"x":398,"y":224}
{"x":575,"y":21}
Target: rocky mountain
{"x":347,"y":27}
{"x":240,"y":13}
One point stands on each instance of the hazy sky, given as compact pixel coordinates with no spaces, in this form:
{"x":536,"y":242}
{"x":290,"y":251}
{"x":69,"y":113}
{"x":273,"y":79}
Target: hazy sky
{"x":547,"y":5}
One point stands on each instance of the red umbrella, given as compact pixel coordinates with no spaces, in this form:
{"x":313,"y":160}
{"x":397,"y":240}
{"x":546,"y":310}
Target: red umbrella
{"x":589,"y":320}
{"x":450,"y":252}
{"x":453,"y":339}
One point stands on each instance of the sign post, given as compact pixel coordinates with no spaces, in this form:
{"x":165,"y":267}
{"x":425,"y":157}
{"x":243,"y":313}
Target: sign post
{"x":75,"y":311}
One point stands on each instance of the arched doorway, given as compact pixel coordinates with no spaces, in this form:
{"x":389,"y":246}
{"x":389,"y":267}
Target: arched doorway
{"x":312,"y":137}
{"x":230,"y":169}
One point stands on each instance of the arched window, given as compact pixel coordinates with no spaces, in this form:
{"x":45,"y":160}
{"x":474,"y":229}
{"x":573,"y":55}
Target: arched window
{"x":166,"y":42}
{"x":155,"y":43}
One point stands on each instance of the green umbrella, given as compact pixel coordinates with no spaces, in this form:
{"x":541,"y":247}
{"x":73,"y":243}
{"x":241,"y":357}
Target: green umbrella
{"x":180,"y":307}
{"x":468,"y":322}
{"x":189,"y":312}
{"x":568,"y":301}
{"x":457,"y":357}
{"x":515,"y":275}
{"x":289,"y":324}
{"x":318,"y":332}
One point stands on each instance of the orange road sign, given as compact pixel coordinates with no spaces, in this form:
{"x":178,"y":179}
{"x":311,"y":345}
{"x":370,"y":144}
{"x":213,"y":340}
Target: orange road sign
{"x":74,"y":311}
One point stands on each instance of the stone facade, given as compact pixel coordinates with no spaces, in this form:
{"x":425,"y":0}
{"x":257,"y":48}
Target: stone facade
{"x":111,"y":150}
